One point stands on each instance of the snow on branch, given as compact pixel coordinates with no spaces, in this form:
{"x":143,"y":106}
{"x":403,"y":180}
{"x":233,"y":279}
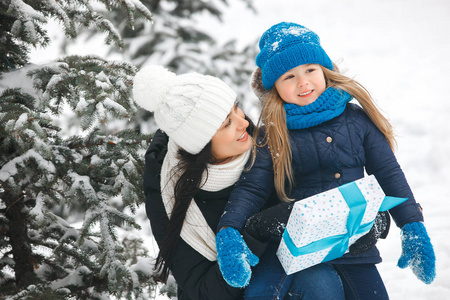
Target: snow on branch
{"x":93,"y":87}
{"x":134,"y":6}
{"x":10,"y":168}
{"x":60,"y":14}
{"x":81,"y":186}
{"x":27,"y":20}
{"x":71,"y":13}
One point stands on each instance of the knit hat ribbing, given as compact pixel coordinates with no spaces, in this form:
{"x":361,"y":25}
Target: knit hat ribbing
{"x":285,"y":46}
{"x":190,"y":108}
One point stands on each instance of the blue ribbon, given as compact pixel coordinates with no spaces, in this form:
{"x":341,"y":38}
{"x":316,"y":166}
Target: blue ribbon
{"x":339,"y":243}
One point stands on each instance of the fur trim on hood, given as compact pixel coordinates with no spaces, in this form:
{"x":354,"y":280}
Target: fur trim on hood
{"x":257,"y":85}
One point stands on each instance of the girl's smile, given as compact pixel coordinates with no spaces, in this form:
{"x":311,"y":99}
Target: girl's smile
{"x":306,"y":94}
{"x":301,"y":85}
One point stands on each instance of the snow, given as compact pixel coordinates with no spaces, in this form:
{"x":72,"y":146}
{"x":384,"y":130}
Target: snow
{"x":11,"y":81}
{"x":75,"y":278}
{"x":275,"y":46}
{"x":144,"y":265}
{"x":81,"y":184}
{"x":9,"y":169}
{"x":295,"y":31}
{"x":113,"y":105}
{"x":398,"y":50}
{"x":25,"y":11}
{"x":26,"y":16}
{"x":37,"y":209}
{"x":21,"y":120}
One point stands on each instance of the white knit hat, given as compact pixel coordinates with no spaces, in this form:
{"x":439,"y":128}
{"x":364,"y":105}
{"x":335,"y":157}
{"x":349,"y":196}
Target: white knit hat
{"x":190,"y":108}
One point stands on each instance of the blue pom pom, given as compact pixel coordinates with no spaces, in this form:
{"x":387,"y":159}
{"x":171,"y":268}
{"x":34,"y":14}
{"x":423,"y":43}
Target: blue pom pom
{"x":234,"y":257}
{"x":417,"y":252}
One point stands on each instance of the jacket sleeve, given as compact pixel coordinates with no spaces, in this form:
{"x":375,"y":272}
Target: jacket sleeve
{"x":196,"y":277}
{"x":250,"y":193}
{"x":381,"y":162}
{"x":154,"y":206}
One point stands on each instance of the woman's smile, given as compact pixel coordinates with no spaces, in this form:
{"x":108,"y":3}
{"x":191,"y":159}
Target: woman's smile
{"x":243,"y":137}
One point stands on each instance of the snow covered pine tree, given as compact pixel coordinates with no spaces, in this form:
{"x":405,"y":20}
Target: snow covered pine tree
{"x":178,"y":41}
{"x":51,"y":177}
{"x":61,"y":163}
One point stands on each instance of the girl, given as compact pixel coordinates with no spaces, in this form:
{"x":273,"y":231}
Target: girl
{"x":315,"y":140}
{"x":207,"y":146}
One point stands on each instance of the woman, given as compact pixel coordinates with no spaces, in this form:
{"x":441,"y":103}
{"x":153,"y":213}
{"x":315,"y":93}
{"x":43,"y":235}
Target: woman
{"x":203,"y":157}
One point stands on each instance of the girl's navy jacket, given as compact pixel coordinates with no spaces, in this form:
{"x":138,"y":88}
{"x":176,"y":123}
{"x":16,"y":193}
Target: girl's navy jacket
{"x":324,"y":157}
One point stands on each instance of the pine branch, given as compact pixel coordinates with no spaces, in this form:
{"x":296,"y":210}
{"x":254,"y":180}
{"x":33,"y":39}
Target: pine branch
{"x":96,"y":89}
{"x":76,"y":143}
{"x":29,"y":18}
{"x":28,"y":23}
{"x":93,"y":172}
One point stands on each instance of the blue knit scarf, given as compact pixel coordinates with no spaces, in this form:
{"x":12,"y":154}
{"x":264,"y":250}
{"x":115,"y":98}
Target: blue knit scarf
{"x":330,"y":104}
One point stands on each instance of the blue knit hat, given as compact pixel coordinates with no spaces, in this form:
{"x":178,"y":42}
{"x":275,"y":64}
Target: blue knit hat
{"x":285,"y":46}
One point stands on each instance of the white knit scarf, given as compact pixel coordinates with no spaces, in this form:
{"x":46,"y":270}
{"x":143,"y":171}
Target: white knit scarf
{"x":196,"y":231}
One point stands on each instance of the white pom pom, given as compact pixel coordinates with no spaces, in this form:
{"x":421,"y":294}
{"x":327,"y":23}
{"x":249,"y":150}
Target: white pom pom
{"x":151,"y":85}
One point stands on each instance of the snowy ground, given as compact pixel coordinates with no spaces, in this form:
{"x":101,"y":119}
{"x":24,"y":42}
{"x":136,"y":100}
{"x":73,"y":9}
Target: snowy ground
{"x":398,"y":49}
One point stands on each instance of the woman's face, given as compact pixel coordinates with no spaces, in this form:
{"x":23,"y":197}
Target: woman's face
{"x":232,"y":138}
{"x":301,"y":85}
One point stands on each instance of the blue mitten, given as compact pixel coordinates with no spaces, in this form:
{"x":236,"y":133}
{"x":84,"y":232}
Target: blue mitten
{"x":234,"y":257}
{"x":417,"y":252}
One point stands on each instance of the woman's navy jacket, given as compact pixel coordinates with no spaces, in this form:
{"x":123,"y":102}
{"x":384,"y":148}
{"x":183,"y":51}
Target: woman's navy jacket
{"x":197,"y":277}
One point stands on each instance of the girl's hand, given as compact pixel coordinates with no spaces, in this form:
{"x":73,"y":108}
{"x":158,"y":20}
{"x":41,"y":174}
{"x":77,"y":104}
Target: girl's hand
{"x":234,"y":257}
{"x":417,"y":252}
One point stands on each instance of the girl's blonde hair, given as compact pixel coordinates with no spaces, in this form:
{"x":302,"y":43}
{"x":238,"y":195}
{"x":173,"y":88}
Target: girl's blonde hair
{"x":276,"y":135}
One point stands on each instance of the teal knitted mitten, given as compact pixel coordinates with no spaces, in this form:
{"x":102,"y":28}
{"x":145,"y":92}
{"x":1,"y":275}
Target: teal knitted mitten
{"x":417,"y":252}
{"x":234,"y":257}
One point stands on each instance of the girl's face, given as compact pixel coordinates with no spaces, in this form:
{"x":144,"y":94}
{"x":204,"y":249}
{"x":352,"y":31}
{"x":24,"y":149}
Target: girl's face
{"x":232,"y":138}
{"x":301,"y":85}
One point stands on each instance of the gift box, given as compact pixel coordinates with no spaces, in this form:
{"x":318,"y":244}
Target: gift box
{"x":322,"y":227}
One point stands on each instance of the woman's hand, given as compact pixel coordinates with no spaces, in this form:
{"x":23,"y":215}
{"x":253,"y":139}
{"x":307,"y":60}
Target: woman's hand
{"x":379,"y":230}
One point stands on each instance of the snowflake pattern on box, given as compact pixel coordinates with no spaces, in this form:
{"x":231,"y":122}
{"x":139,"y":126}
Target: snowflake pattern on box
{"x":326,"y":215}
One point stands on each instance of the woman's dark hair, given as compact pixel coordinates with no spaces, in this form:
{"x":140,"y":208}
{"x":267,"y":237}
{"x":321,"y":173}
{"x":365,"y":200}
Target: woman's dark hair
{"x":191,"y":167}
